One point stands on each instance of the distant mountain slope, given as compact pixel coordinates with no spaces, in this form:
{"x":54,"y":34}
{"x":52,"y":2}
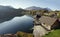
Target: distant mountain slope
{"x":47,"y":9}
{"x":7,"y":13}
{"x":33,"y":8}
{"x":37,"y":8}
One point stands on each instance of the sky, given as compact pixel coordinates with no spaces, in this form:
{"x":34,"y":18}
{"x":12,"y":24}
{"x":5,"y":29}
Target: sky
{"x":52,"y":4}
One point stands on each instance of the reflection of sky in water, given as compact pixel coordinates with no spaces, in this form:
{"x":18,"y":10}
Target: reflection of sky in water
{"x":23,"y":23}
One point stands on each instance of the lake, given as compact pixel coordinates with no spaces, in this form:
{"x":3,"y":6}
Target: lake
{"x":23,"y":23}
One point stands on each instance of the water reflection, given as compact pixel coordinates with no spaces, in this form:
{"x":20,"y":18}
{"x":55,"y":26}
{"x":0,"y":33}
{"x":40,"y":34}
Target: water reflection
{"x":23,"y":23}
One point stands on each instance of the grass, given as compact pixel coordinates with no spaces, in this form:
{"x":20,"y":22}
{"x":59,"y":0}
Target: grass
{"x":55,"y":33}
{"x":23,"y":34}
{"x":58,"y":15}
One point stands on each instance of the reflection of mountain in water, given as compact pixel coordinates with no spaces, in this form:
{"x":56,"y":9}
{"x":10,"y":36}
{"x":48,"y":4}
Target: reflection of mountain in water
{"x":7,"y":13}
{"x":23,"y":23}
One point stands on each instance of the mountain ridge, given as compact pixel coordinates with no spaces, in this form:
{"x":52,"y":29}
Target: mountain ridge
{"x":8,"y":12}
{"x":36,"y":8}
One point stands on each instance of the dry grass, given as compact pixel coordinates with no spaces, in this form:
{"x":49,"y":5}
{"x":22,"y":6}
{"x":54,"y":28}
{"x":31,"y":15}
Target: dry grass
{"x":23,"y":34}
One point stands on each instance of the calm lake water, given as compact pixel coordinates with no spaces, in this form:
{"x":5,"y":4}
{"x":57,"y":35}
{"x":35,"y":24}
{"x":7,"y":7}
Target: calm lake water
{"x":23,"y":23}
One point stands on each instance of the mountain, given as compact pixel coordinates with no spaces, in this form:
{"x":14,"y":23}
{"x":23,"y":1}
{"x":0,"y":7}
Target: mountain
{"x":33,"y":8}
{"x":37,"y":8}
{"x":8,"y":12}
{"x":47,"y":9}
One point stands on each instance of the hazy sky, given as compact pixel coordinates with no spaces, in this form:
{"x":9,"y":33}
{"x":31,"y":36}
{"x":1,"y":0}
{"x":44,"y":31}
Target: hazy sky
{"x":52,"y":4}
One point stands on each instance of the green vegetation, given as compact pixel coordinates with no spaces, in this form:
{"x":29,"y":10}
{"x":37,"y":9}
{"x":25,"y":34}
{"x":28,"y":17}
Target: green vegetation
{"x":55,"y":33}
{"x":23,"y":34}
{"x":58,"y":15}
